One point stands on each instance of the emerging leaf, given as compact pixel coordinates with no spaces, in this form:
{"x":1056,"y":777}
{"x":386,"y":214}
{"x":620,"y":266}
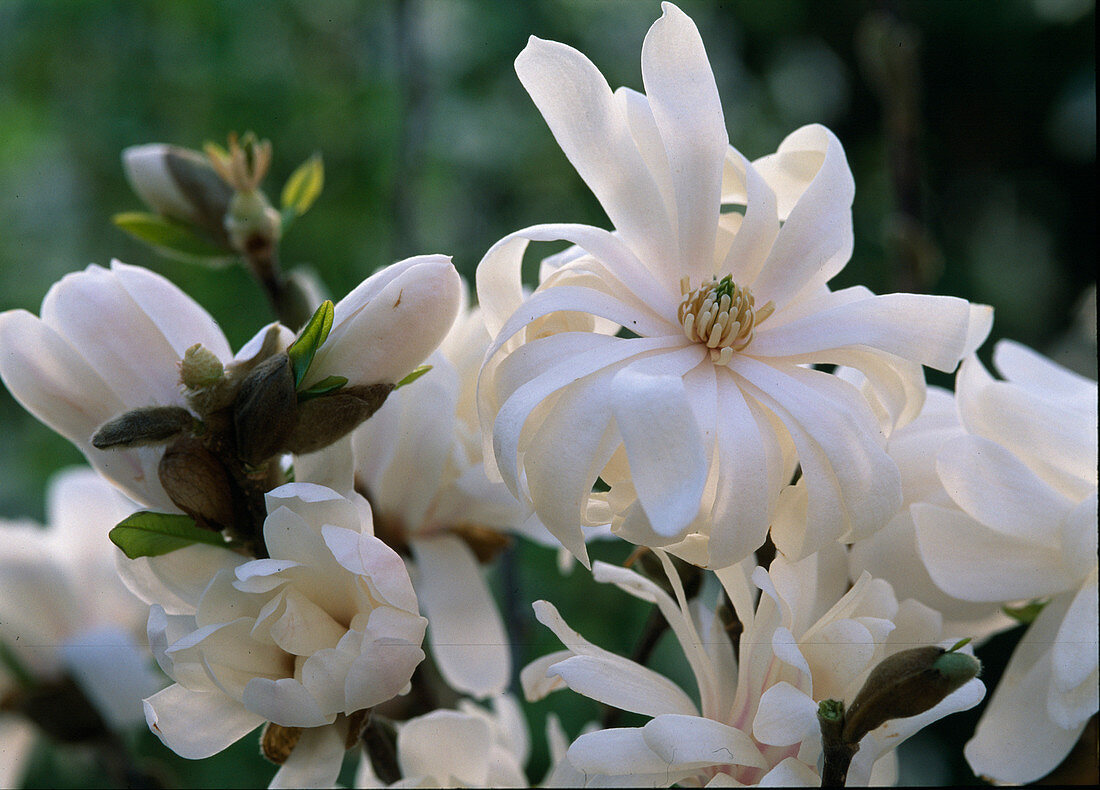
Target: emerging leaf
{"x":172,"y":238}
{"x":149,"y":534}
{"x":325,"y":386}
{"x":304,"y":186}
{"x":1025,"y":614}
{"x":303,"y":349}
{"x":409,"y":379}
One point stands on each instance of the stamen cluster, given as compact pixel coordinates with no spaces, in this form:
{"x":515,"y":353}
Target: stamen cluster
{"x":720,"y":314}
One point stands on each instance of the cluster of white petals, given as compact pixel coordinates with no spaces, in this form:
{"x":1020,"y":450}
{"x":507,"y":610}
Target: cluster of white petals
{"x":324,"y":628}
{"x":64,"y":610}
{"x":1020,"y":524}
{"x":468,"y":747}
{"x":755,"y":719}
{"x":697,"y":439}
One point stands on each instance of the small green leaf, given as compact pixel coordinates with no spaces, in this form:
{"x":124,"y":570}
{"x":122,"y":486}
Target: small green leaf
{"x":325,"y":386}
{"x":409,"y":379}
{"x":961,"y":643}
{"x":304,"y":186}
{"x":148,"y":534}
{"x":1025,"y":614}
{"x":303,"y":349}
{"x":172,"y":238}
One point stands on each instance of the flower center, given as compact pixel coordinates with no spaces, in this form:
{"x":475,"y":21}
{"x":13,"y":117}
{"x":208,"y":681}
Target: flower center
{"x":721,"y":315}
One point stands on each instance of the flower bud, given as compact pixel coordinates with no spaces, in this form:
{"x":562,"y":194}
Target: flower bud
{"x":197,"y":483}
{"x":906,"y":684}
{"x":323,"y":420}
{"x":140,"y":427}
{"x":200,"y":367}
{"x":266,"y":410}
{"x":390,"y":323}
{"x":178,"y":183}
{"x":252,"y":224}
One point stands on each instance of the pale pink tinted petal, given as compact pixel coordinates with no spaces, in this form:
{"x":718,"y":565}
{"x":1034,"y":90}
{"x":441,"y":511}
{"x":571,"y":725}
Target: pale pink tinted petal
{"x":446,"y":746}
{"x":467,"y":636}
{"x":587,"y":122}
{"x":615,"y":752}
{"x":785,"y":716}
{"x":196,"y":724}
{"x":995,"y":487}
{"x":975,"y":563}
{"x":688,"y":113}
{"x":790,"y":773}
{"x":664,"y":445}
{"x":692,"y":741}
{"x":316,"y":759}
{"x":926,"y":329}
{"x":814,"y":188}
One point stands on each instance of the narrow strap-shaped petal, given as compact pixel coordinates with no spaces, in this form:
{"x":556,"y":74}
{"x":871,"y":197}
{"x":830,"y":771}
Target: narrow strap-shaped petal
{"x":753,"y":242}
{"x":467,"y":636}
{"x":696,"y":742}
{"x":1032,"y":371}
{"x":622,"y":684}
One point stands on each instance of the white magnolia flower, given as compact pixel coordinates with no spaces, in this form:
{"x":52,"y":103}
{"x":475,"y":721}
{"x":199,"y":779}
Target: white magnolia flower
{"x":64,"y":611}
{"x":892,"y":554}
{"x":468,"y":747}
{"x":716,"y":274}
{"x":755,"y":720}
{"x":1021,"y":524}
{"x":325,"y":628}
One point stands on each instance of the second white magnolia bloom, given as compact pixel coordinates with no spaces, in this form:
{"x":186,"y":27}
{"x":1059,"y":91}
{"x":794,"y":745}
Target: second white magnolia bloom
{"x":327,"y":627}
{"x":672,"y":357}
{"x":1021,"y":524}
{"x":755,"y":720}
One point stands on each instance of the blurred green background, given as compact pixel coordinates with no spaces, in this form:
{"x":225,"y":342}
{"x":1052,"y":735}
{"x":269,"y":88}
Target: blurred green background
{"x":970,"y":128}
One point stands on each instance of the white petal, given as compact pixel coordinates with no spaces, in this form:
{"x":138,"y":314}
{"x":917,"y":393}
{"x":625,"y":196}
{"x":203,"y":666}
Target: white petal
{"x":284,"y":701}
{"x":446,"y":746}
{"x":1036,"y":373}
{"x":814,"y":189}
{"x":622,"y":684}
{"x":535,"y":681}
{"x":785,"y":715}
{"x":790,"y":772}
{"x":315,"y":760}
{"x":195,"y":724}
{"x":366,"y":555}
{"x":759,"y":227}
{"x":664,"y":445}
{"x":381,"y":671}
{"x":176,"y":580}
{"x":618,"y":751}
{"x":467,"y":636}
{"x":695,"y":742}
{"x":586,"y":121}
{"x":688,"y":113}
{"x":1074,"y":658}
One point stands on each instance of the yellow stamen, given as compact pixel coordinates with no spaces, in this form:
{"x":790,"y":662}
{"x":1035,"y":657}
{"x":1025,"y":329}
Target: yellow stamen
{"x":721,"y":315}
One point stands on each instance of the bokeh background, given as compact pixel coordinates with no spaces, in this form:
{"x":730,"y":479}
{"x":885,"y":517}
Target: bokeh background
{"x":970,"y":127}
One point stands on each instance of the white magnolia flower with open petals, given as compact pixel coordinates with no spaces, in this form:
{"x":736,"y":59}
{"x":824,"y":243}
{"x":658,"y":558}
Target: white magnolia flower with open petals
{"x":755,"y":720}
{"x":717,"y":272}
{"x":64,"y":611}
{"x":1021,"y":524}
{"x":325,"y":628}
{"x":468,"y":747}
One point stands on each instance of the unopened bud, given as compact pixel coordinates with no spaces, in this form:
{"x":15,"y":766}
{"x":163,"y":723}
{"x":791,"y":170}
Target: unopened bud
{"x":906,"y":684}
{"x":140,"y":427}
{"x":200,"y":367}
{"x":252,"y":224}
{"x":179,"y":183}
{"x":265,"y":413}
{"x":197,"y":483}
{"x":277,"y":741}
{"x":323,"y":420}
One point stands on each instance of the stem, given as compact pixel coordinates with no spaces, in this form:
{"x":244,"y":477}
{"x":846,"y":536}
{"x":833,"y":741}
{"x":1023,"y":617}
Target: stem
{"x":262,"y":257}
{"x":838,"y":753}
{"x":379,"y":739}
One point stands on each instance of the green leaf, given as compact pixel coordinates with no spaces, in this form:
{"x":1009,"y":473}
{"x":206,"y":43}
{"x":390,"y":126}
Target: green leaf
{"x":303,"y":349}
{"x":1025,"y":614}
{"x":409,"y":379}
{"x":325,"y":386}
{"x":148,"y":534}
{"x":304,"y":186}
{"x":172,"y":238}
{"x":961,"y":643}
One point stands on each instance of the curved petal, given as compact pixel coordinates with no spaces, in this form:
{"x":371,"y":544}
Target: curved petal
{"x":616,"y":752}
{"x":1036,"y":373}
{"x":1074,"y":694}
{"x":688,"y":113}
{"x":623,"y":684}
{"x":695,"y":742}
{"x":586,"y":121}
{"x":759,"y":227}
{"x":465,"y":631}
{"x":284,"y":701}
{"x":785,"y":715}
{"x":176,"y":580}
{"x":446,"y":746}
{"x":171,"y":715}
{"x":315,"y":760}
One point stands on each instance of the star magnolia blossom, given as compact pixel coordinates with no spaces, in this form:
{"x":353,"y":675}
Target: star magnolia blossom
{"x":698,"y":418}
{"x":468,"y":747}
{"x":1021,"y":524}
{"x":63,"y":609}
{"x":325,"y":628}
{"x":756,"y":719}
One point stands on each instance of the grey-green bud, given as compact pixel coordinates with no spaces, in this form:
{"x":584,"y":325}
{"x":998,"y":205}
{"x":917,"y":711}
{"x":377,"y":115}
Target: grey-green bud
{"x":197,"y":483}
{"x":323,"y":420}
{"x":265,"y":413}
{"x":141,"y":427}
{"x":179,"y":183}
{"x":906,"y":684}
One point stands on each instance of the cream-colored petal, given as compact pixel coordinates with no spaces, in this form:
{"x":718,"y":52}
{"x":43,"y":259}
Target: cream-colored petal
{"x":172,"y":713}
{"x":316,"y":759}
{"x":696,"y":742}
